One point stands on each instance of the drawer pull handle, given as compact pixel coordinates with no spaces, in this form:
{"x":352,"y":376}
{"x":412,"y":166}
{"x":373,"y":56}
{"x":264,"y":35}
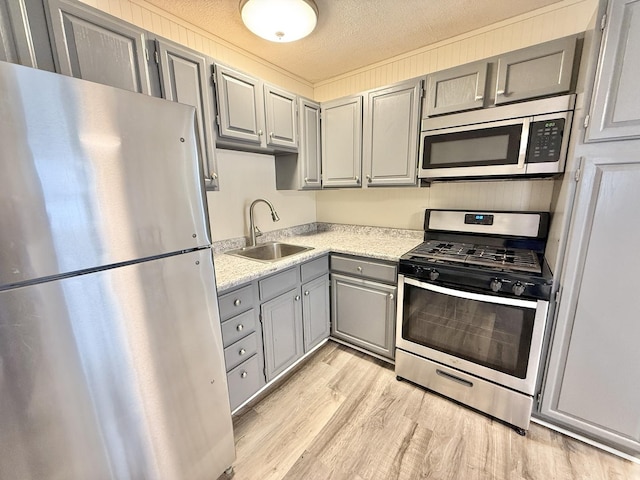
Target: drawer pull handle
{"x":453,"y":378}
{"x":237,"y":302}
{"x":242,"y":351}
{"x":306,"y":293}
{"x":243,"y":374}
{"x":239,"y":327}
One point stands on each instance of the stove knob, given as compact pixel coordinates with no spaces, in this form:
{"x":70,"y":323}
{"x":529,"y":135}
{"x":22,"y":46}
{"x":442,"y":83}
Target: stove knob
{"x":518,"y":288}
{"x":418,"y":270}
{"x":433,"y":274}
{"x":495,"y":285}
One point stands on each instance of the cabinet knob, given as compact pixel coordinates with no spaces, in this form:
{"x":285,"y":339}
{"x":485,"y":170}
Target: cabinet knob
{"x":306,"y":179}
{"x":306,"y":293}
{"x":240,"y":327}
{"x":357,"y":179}
{"x":391,"y":296}
{"x":297,"y":298}
{"x":237,"y":302}
{"x":359,"y":269}
{"x":214,"y":176}
{"x":259,"y":133}
{"x":369,"y":180}
{"x":271,"y":134}
{"x":243,"y":374}
{"x":242,"y":352}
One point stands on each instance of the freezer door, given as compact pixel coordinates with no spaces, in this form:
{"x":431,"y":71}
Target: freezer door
{"x":92,"y":175}
{"x":117,"y":374}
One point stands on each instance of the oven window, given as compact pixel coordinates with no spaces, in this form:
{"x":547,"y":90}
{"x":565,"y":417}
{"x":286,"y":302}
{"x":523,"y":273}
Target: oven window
{"x":487,"y":146}
{"x":495,"y":336}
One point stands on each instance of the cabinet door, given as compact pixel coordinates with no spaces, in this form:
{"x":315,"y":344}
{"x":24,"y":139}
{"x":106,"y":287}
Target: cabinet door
{"x":363,"y":313}
{"x":342,"y":142}
{"x":615,"y":111}
{"x":309,"y":151}
{"x":281,"y":119}
{"x":390,"y":139}
{"x":185,"y":79}
{"x":282,"y":332}
{"x":97,"y":47}
{"x":315,"y":311}
{"x":593,"y":380}
{"x":536,"y":71}
{"x":239,"y":98}
{"x":456,"y":89}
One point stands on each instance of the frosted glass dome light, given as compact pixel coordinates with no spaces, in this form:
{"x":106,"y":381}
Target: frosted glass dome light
{"x":279,"y":20}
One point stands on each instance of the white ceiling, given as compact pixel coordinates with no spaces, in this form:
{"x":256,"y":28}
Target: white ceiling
{"x":352,"y":33}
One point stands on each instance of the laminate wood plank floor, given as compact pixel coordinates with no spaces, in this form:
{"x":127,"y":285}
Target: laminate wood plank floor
{"x":344,"y":416}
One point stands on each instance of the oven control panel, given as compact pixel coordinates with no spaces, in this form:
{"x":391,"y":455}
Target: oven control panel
{"x":478,"y":219}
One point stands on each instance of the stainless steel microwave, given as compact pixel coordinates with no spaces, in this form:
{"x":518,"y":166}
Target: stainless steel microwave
{"x":522,"y":139}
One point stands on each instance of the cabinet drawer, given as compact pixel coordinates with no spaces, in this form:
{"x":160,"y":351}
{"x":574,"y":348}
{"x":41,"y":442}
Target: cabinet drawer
{"x":236,"y":302}
{"x":277,"y":284}
{"x":363,"y":268}
{"x":241,"y":350}
{"x":314,"y":268}
{"x":238,"y":327}
{"x":243,"y":381}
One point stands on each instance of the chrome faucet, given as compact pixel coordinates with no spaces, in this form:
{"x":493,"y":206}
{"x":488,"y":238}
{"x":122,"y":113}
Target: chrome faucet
{"x":255,"y":231}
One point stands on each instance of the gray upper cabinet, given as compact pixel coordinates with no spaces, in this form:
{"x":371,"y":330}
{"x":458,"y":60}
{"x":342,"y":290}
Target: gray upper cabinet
{"x":185,"y":77}
{"x":615,"y":110}
{"x":282,"y":330}
{"x":390,"y":138}
{"x":593,"y":380}
{"x":281,"y":119}
{"x":456,"y":89}
{"x":544,"y":69}
{"x":342,"y":142}
{"x":315,"y":311}
{"x":240,"y":110}
{"x":98,"y":47}
{"x":301,"y":171}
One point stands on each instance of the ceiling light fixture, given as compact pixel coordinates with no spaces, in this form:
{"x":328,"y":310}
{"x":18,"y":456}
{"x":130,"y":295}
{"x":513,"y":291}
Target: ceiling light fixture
{"x":279,"y":20}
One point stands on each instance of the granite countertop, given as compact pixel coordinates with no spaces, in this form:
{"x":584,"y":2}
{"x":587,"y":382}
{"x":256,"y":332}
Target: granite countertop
{"x":381,"y":244}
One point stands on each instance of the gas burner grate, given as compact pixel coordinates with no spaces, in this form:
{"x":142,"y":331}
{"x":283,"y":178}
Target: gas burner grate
{"x":471,"y":254}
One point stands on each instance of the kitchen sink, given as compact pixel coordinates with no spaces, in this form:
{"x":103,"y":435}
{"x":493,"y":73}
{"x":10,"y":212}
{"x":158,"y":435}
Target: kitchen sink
{"x":269,"y":252}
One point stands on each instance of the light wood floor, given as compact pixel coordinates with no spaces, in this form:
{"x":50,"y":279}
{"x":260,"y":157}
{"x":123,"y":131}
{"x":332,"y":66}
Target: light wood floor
{"x":344,"y":415}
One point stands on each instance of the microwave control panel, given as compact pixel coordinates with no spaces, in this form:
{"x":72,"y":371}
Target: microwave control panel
{"x":545,"y":140}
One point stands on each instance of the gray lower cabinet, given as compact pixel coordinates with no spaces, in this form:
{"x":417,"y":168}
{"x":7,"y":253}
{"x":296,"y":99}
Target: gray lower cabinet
{"x":363,"y":304}
{"x":593,"y":381}
{"x":98,"y":47}
{"x":342,"y":142}
{"x":242,"y":341}
{"x":456,"y":89}
{"x":390,"y":137}
{"x":615,"y":109}
{"x":294,"y":313}
{"x":186,"y":78}
{"x":282,"y":330}
{"x":315,"y":311}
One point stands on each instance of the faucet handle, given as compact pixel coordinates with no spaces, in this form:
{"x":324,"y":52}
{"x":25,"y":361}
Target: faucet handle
{"x":257,"y":231}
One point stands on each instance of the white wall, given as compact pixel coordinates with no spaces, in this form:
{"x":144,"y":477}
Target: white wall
{"x":245,"y":177}
{"x":404,"y":207}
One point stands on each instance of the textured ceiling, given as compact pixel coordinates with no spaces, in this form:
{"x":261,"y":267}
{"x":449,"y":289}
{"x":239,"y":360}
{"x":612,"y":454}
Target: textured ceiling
{"x":352,"y":33}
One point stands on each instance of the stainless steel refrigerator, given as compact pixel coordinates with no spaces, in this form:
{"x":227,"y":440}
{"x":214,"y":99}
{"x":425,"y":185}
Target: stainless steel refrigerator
{"x":111,"y":360}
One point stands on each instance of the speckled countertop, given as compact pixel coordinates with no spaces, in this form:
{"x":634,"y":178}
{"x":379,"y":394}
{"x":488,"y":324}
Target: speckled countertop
{"x":377,"y":243}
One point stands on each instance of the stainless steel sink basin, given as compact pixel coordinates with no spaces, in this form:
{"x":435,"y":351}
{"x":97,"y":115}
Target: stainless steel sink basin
{"x":269,"y":252}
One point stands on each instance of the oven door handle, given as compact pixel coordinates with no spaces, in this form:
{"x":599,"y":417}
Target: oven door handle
{"x":472,"y":296}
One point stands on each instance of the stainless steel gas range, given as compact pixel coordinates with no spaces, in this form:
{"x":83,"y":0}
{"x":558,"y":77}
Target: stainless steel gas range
{"x":472,"y":307}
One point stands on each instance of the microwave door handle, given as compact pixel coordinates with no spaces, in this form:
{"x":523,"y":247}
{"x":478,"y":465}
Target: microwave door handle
{"x":524,"y":142}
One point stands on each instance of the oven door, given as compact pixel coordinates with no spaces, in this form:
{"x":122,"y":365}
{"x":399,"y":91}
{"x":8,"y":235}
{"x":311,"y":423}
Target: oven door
{"x":486,"y":149}
{"x":495,"y":338}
